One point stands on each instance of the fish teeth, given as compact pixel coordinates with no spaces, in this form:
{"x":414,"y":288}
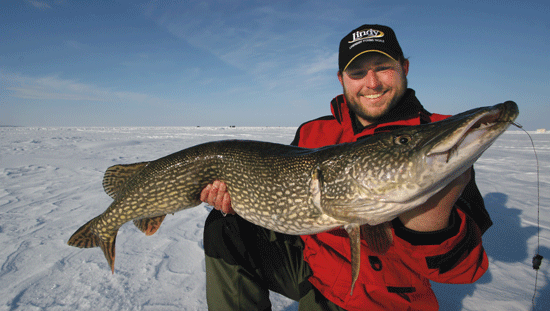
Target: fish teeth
{"x":483,"y":125}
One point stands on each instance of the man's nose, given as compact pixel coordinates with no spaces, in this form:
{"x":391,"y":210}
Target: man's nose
{"x":371,"y":80}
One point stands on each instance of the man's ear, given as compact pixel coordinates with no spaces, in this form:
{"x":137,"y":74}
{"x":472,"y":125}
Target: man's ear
{"x":340,"y":78}
{"x":405,"y":66}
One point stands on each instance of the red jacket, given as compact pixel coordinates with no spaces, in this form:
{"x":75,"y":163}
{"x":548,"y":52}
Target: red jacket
{"x":399,"y":279}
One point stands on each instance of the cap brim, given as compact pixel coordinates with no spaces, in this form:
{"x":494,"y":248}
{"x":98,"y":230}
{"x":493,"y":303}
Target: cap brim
{"x":368,"y":51}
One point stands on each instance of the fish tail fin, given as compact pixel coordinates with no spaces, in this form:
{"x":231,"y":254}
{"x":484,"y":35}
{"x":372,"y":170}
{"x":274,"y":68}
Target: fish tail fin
{"x":149,"y":225}
{"x":379,"y":237}
{"x":108,"y":248}
{"x":84,"y":237}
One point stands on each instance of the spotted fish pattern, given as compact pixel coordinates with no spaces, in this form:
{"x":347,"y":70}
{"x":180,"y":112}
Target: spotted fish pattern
{"x":301,"y":191}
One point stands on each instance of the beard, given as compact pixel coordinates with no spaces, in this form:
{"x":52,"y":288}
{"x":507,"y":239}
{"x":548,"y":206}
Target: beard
{"x":372,"y":117}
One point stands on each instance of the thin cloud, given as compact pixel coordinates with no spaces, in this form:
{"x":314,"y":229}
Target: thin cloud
{"x":75,"y":45}
{"x":39,"y":4}
{"x":270,"y":42}
{"x":322,"y":63}
{"x":55,"y":88}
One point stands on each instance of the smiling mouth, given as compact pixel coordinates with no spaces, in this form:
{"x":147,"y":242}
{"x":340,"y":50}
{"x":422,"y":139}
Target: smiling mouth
{"x":372,"y":96}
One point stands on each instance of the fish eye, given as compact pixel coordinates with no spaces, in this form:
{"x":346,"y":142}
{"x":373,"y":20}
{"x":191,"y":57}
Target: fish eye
{"x":402,"y":139}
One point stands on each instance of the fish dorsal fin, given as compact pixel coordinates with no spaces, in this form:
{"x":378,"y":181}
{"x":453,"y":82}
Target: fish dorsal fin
{"x":116,"y":177}
{"x":149,"y":225}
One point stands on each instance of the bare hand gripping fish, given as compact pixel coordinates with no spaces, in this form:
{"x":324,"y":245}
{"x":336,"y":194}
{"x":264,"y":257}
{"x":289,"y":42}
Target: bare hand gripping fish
{"x":302,"y":191}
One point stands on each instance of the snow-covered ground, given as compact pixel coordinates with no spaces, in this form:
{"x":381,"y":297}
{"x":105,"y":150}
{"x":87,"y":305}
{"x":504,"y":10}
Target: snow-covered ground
{"x":50,"y":184}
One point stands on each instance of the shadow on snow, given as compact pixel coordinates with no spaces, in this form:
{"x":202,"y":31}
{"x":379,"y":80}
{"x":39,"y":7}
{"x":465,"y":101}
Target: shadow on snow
{"x":506,"y":241}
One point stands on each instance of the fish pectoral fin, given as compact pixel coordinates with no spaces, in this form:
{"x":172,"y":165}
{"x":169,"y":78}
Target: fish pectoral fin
{"x":116,"y":176}
{"x":149,"y":225}
{"x":84,"y":237}
{"x":108,"y":248}
{"x":354,"y":232}
{"x":379,"y":237}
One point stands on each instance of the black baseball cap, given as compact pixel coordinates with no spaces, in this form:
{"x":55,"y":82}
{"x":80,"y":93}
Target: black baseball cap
{"x":368,"y":38}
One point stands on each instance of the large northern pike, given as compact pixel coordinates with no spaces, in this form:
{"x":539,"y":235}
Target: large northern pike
{"x":297,"y":190}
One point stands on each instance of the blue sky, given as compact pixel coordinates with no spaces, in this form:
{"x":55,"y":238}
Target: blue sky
{"x":256,"y":63}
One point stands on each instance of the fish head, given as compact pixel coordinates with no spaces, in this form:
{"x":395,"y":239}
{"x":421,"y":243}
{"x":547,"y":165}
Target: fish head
{"x":409,"y":165}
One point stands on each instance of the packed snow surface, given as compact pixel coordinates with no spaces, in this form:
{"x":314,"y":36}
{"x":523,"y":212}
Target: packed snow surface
{"x":50,"y":184}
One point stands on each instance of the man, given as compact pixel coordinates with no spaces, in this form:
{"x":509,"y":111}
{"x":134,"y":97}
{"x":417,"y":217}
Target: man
{"x":439,"y":240}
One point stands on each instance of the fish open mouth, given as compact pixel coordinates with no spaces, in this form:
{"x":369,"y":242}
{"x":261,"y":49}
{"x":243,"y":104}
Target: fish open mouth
{"x":490,"y":123}
{"x":457,"y":142}
{"x":479,"y":127}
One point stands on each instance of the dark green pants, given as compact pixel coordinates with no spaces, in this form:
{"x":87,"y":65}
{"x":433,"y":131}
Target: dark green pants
{"x":245,"y":261}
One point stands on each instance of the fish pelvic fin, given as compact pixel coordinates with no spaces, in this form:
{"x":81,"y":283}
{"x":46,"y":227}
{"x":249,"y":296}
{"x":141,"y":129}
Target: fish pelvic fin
{"x":108,"y":248}
{"x":116,"y":176}
{"x":84,"y":237}
{"x":379,"y":237}
{"x":149,"y":225}
{"x":354,"y":232}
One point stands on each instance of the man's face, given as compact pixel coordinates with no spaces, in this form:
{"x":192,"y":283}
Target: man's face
{"x":373,"y":84}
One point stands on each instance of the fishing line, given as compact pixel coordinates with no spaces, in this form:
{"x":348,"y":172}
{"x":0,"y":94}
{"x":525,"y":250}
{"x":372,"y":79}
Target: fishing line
{"x":537,"y":259}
